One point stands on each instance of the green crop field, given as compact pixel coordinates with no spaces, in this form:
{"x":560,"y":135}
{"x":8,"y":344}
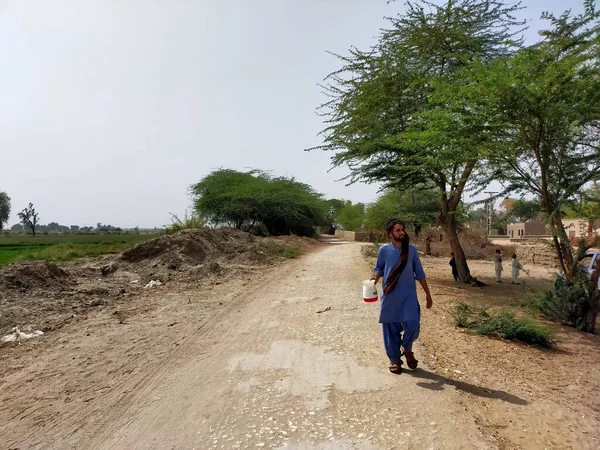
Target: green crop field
{"x":65,"y":247}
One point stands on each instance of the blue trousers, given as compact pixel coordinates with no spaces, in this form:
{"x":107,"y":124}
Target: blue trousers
{"x":396,"y":335}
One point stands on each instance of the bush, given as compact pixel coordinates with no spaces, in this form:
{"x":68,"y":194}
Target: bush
{"x":567,"y":303}
{"x":188,"y":222}
{"x":371,"y":251}
{"x":281,"y":250}
{"x":502,"y":324}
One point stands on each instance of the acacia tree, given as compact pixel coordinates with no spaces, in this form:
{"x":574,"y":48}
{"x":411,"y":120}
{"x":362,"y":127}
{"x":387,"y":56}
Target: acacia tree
{"x":523,"y":210}
{"x":382,"y":120}
{"x":29,"y":218}
{"x":249,"y":200}
{"x":4,"y":208}
{"x":545,"y":108}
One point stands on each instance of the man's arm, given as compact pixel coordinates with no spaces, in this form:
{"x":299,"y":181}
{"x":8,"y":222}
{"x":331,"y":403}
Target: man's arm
{"x":379,"y":266}
{"x":376,"y":277}
{"x":420,"y":275}
{"x":427,"y":293}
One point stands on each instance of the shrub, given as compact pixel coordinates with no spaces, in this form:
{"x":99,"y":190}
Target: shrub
{"x":502,"y":324}
{"x":567,"y":303}
{"x":188,"y":222}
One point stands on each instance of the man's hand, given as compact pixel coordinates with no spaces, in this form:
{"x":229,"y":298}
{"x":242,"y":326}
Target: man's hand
{"x":427,"y":293}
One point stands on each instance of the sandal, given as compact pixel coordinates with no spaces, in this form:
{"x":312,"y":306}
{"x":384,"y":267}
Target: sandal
{"x":410,"y":360}
{"x":396,"y":367}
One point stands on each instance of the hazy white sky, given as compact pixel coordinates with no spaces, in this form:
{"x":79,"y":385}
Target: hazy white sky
{"x":110,"y":109}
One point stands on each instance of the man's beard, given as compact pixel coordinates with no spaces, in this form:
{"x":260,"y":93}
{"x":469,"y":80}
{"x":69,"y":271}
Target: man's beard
{"x":402,"y":239}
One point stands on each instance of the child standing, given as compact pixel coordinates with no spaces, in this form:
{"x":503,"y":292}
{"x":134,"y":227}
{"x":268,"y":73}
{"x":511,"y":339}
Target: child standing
{"x":498,"y":265}
{"x":516,"y":268}
{"x":453,"y":265}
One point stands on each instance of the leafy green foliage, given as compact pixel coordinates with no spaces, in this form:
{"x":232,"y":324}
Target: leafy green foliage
{"x":502,"y":324}
{"x":567,"y":303}
{"x":384,"y":120}
{"x":333,"y":207}
{"x":253,"y":200}
{"x":4,"y":208}
{"x":188,"y":222}
{"x":351,"y":217}
{"x":29,"y":218}
{"x":65,"y":247}
{"x":543,"y":104}
{"x":417,"y":207}
{"x":525,"y":210}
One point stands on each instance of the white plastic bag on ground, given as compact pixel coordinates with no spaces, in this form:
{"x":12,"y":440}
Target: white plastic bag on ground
{"x":19,"y":335}
{"x":152,"y":284}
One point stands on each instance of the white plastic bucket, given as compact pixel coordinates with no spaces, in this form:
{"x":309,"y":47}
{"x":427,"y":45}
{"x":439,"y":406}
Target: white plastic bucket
{"x":369,"y":291}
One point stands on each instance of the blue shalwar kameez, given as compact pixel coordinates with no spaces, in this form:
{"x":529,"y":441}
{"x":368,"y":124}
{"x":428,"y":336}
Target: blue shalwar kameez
{"x":400,"y":313}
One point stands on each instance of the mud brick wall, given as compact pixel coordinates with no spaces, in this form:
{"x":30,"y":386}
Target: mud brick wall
{"x":355,"y":236}
{"x":539,"y":254}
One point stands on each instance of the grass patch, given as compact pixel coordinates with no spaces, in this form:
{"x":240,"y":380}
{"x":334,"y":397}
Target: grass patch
{"x":371,"y":251}
{"x":65,"y":247}
{"x":502,"y":324}
{"x":69,"y":252}
{"x":283,"y":251}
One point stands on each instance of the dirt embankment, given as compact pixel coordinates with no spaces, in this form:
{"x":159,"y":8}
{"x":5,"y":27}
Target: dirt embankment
{"x":42,"y":295}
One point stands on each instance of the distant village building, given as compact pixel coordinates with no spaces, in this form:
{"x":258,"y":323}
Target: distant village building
{"x":525,"y":229}
{"x":578,"y":228}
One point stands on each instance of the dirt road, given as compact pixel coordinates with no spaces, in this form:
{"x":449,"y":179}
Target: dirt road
{"x":287,"y":358}
{"x":258,"y":367}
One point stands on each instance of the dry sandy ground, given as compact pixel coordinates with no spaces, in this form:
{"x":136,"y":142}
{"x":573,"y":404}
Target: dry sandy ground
{"x":292,"y":358}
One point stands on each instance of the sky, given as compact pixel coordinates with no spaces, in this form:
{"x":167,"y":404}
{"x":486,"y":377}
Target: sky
{"x":110,"y":110}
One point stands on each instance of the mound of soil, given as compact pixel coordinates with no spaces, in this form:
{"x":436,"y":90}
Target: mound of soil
{"x":201,"y":251}
{"x":25,"y":276}
{"x":42,"y":295}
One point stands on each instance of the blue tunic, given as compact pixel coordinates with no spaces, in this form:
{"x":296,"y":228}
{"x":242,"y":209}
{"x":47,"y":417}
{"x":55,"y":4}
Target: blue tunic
{"x":401,"y":304}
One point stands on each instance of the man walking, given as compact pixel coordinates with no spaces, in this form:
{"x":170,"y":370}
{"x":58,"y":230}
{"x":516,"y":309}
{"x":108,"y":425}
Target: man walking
{"x":399,"y":265}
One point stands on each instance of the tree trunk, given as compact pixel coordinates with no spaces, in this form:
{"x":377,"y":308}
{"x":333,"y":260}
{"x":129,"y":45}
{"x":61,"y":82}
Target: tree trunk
{"x":448,"y":220}
{"x":428,"y":245}
{"x":563,"y":246}
{"x":449,"y":203}
{"x":464,"y":274}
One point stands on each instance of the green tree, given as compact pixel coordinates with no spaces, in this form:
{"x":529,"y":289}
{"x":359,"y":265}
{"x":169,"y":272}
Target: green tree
{"x":524,"y":210}
{"x":29,"y":218}
{"x":4,"y":209}
{"x":384,"y":121}
{"x":333,"y":207}
{"x":351,"y":217}
{"x":545,"y":112}
{"x":253,"y":200}
{"x":417,"y":208}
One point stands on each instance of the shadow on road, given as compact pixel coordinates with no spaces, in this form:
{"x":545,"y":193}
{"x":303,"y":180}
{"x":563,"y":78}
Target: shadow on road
{"x":438,"y":381}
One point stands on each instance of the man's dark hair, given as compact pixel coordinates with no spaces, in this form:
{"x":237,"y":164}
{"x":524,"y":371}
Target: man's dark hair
{"x":497,"y":250}
{"x":394,"y":275}
{"x":389,"y":227}
{"x":391,"y":223}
